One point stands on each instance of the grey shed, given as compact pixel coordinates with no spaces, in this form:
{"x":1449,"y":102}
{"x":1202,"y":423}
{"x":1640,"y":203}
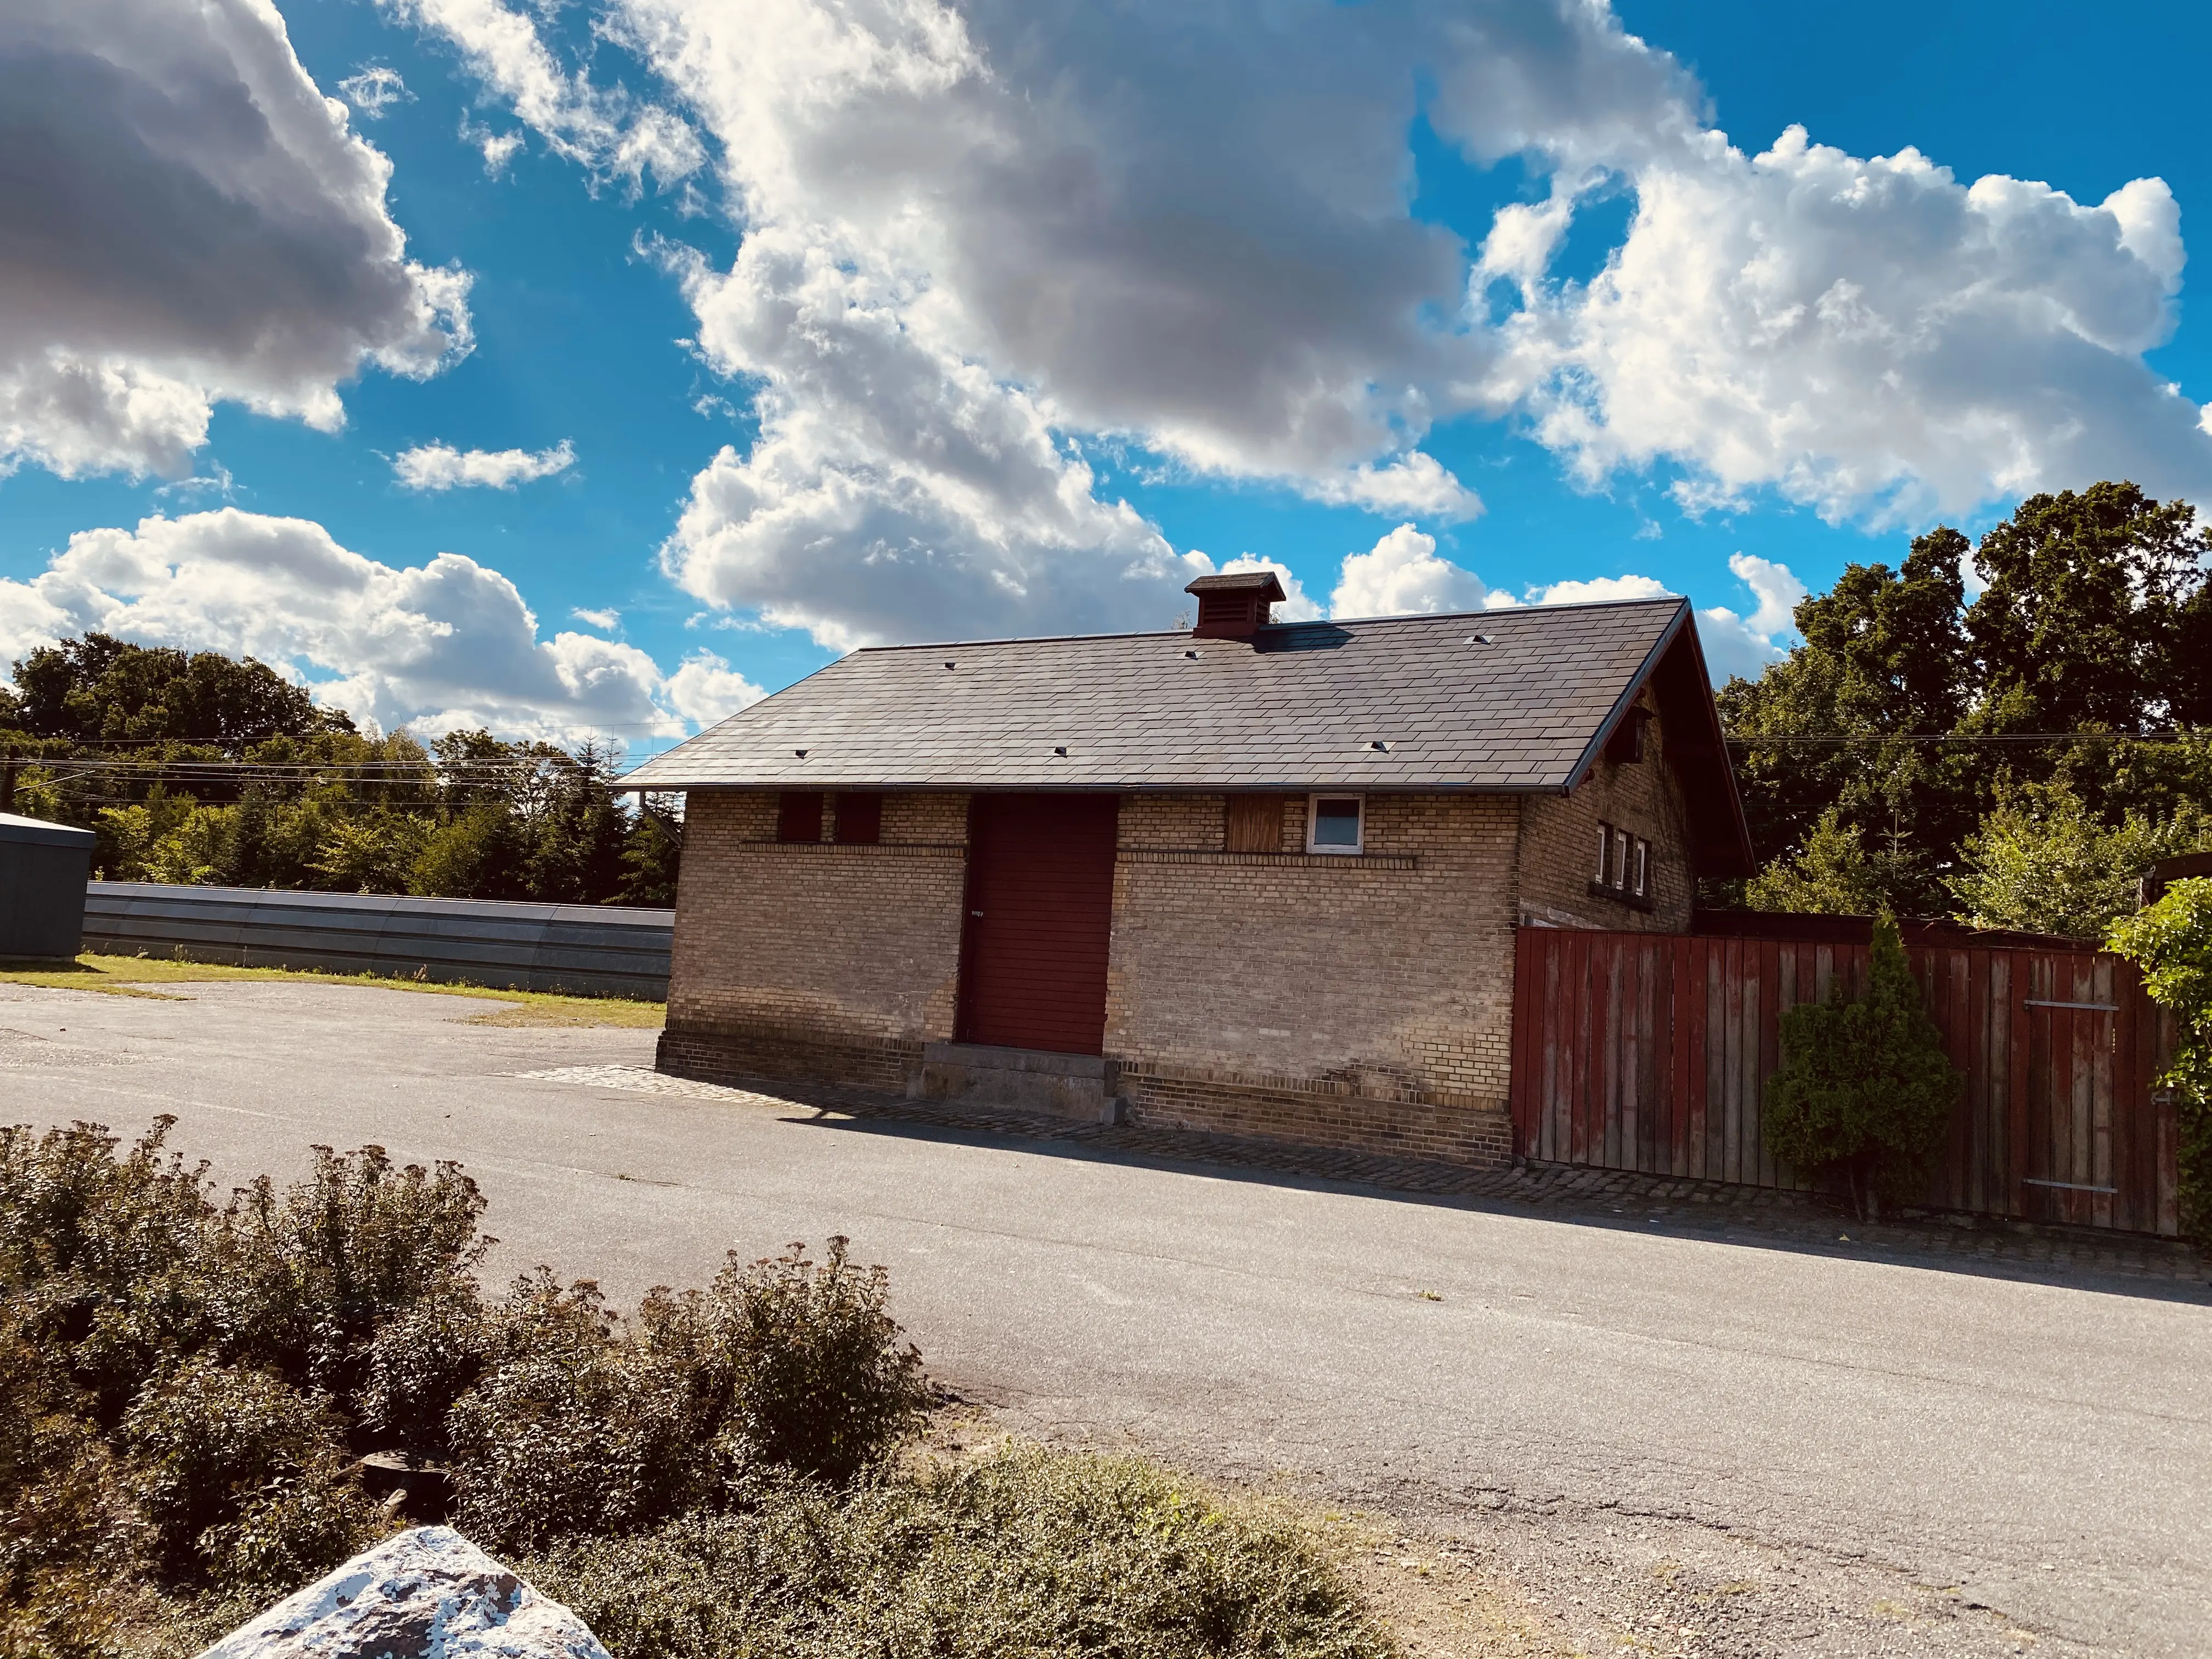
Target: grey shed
{"x":43,"y":867}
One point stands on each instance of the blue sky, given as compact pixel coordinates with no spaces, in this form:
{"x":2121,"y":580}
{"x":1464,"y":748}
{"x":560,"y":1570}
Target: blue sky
{"x":1945,"y":353}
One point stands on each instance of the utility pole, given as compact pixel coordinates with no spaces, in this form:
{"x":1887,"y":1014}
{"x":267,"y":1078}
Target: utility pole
{"x":8,"y":781}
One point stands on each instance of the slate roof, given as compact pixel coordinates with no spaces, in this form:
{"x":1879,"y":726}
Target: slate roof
{"x":1301,"y":706}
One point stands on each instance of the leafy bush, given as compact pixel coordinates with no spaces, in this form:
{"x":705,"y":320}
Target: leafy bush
{"x":320,"y":1270}
{"x":243,"y":1479}
{"x":184,"y":1391}
{"x":779,"y":1361}
{"x":1865,"y":1090}
{"x":2172,"y":942}
{"x":1023,"y":1551}
{"x":804,"y":1361}
{"x":2043,"y":862}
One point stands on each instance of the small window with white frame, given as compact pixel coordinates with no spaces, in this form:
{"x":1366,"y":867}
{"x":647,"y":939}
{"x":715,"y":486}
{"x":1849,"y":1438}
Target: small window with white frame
{"x":1335,"y":823}
{"x":1624,"y":866}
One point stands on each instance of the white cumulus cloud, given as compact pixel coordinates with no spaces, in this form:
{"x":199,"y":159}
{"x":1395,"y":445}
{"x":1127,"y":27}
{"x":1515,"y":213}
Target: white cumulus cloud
{"x":446,"y":644}
{"x":704,"y":689}
{"x":441,"y":466}
{"x":980,"y":241}
{"x":184,"y":220}
{"x":1401,"y":576}
{"x":1874,"y":339}
{"x":1599,"y":590}
{"x":1746,"y":645}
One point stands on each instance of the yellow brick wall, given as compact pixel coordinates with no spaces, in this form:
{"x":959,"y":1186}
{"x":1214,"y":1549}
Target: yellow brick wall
{"x":1559,"y":845}
{"x":1358,"y":1002}
{"x":1296,"y":972}
{"x":856,"y":941}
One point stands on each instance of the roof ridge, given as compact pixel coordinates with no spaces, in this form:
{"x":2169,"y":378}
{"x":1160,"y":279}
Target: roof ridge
{"x":1306,"y":622}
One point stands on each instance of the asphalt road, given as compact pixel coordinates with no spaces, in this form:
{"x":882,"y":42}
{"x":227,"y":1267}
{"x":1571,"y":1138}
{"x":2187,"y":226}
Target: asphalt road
{"x":2043,"y":1445}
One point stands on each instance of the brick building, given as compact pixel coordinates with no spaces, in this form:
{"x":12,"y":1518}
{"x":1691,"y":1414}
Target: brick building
{"x":1257,"y":879}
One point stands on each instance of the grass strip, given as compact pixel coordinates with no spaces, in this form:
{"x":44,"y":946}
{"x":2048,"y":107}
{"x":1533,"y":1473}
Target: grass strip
{"x":132,"y":975}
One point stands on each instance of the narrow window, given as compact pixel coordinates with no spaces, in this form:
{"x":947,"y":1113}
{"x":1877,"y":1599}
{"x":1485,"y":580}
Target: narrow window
{"x":1603,"y":878}
{"x":1332,"y":824}
{"x":798,"y":815}
{"x":1642,"y":887}
{"x":859,"y":818}
{"x":1621,"y":845}
{"x":1254,"y":823}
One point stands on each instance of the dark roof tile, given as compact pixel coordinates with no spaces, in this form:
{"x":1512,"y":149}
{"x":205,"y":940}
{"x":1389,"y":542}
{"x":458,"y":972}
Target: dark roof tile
{"x":1298,"y":706}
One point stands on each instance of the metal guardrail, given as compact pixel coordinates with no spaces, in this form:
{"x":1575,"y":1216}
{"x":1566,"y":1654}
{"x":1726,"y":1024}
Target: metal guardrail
{"x":595,"y":949}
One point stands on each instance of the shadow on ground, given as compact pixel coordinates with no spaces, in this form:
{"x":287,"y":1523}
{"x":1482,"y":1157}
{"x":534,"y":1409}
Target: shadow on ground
{"x":2078,"y":1258}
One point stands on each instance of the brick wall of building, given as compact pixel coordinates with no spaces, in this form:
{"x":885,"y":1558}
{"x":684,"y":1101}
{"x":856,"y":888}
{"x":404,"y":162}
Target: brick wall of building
{"x":1559,"y":844}
{"x":1358,"y":1002}
{"x":1302,"y":996}
{"x":813,"y":959}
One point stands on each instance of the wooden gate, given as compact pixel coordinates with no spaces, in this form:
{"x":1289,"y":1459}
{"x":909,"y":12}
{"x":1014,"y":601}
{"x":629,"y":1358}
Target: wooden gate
{"x":1652,"y":1053}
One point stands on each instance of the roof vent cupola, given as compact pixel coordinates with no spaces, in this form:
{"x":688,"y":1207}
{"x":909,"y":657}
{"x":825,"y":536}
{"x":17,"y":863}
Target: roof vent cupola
{"x":1234,"y":606}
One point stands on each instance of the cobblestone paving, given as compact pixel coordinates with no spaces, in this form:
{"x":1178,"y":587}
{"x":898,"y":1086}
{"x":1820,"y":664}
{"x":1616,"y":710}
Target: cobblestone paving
{"x":1606,"y":1197}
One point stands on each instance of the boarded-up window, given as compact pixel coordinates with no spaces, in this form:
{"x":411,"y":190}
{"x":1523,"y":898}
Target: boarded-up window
{"x":798,"y":815}
{"x":859,"y":818}
{"x":1255,"y":823}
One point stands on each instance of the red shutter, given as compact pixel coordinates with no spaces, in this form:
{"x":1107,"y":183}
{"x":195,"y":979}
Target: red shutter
{"x":1040,"y":919}
{"x":798,"y":815}
{"x":859,"y":818}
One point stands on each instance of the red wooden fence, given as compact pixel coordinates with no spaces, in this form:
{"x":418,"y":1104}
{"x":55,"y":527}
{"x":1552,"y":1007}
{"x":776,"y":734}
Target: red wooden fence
{"x":1652,"y":1052}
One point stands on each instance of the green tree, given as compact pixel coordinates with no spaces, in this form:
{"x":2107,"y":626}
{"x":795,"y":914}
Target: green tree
{"x":653,"y":852}
{"x":99,"y":689}
{"x":478,"y":854}
{"x":1864,"y":1089}
{"x":1833,"y":872}
{"x":1909,"y":715}
{"x":1824,"y":733}
{"x":371,"y":852}
{"x":2172,"y":942}
{"x":578,"y":830}
{"x":2044,"y":862}
{"x":2081,"y":610}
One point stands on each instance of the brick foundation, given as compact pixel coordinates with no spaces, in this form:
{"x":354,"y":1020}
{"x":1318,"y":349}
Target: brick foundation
{"x":1474,"y":1132}
{"x":728,"y":1055}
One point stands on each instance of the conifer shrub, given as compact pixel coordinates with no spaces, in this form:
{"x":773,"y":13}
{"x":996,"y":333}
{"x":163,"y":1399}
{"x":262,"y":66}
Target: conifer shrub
{"x":1865,"y":1090}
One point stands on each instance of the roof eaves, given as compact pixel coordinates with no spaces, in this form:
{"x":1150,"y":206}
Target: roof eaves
{"x":1627,"y":699}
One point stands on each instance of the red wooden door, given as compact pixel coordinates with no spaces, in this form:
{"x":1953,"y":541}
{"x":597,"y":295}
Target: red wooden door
{"x":1040,"y":918}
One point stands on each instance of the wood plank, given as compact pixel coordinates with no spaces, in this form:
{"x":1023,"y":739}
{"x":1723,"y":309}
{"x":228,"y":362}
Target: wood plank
{"x":2018,"y":1051}
{"x":1972,"y":1182}
{"x":1620,"y":986}
{"x":1733,"y":995}
{"x":1636,"y":1026}
{"x":1786,"y":997}
{"x":1715,"y":1104}
{"x":1544,"y":1024}
{"x":1666,"y":1052}
{"x":1578,"y":1051}
{"x":1757,"y":1162}
{"x":2103,"y":1076}
{"x":2168,"y":1128}
{"x":1697,"y":1004}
